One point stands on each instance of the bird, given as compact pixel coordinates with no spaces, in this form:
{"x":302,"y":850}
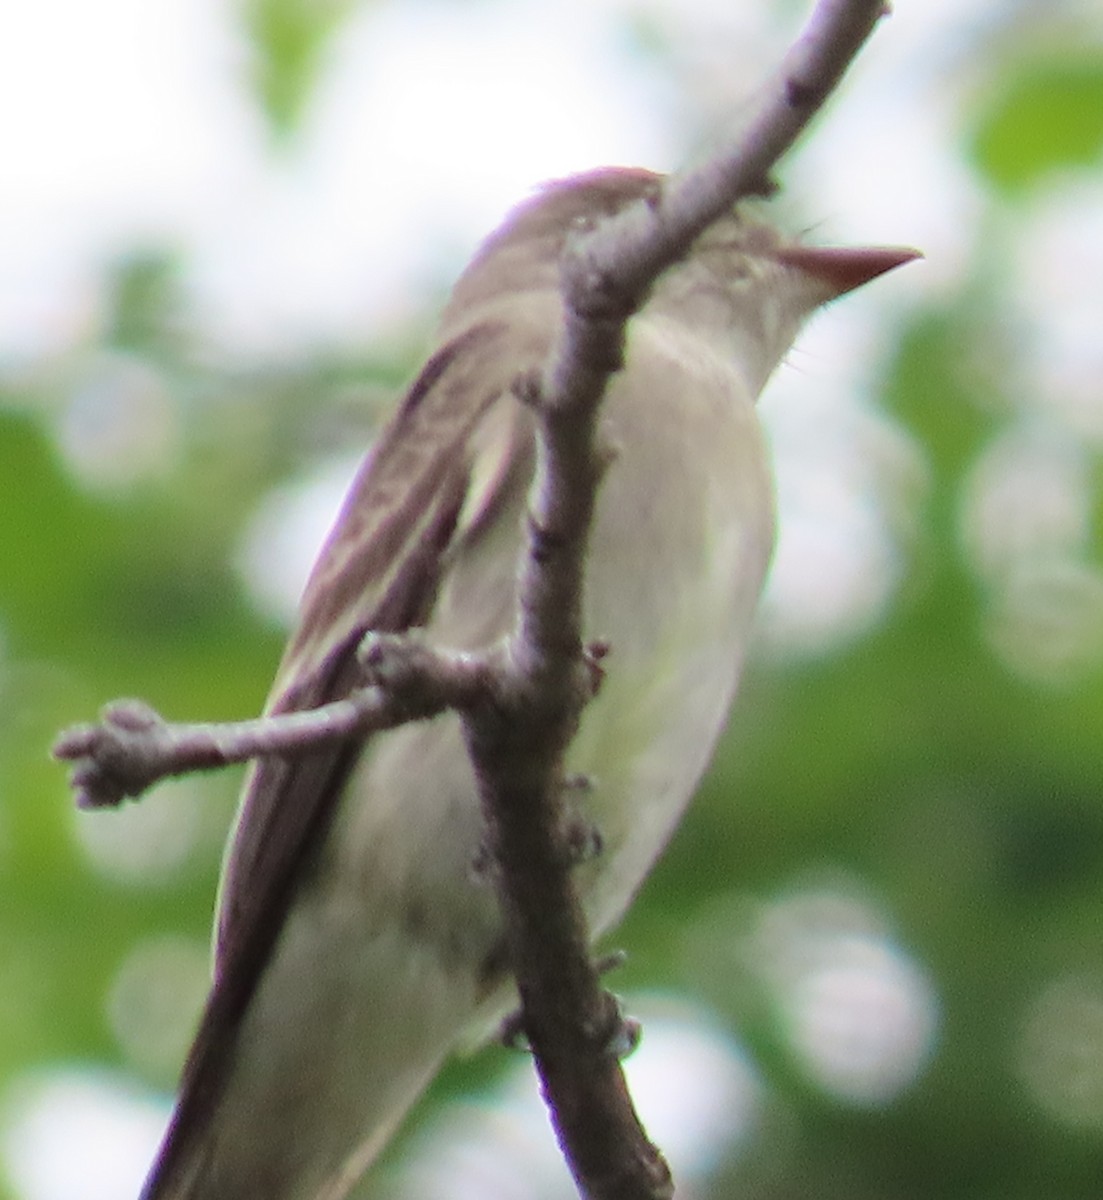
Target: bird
{"x":357,"y":944}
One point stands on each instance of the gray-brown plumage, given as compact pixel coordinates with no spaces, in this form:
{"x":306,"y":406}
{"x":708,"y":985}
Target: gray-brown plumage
{"x":355,"y":943}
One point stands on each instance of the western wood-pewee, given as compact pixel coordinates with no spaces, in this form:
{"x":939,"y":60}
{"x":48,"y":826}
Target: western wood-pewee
{"x":356,"y":943}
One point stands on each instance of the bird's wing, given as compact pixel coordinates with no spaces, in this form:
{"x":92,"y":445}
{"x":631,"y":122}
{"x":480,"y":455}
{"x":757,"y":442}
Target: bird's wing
{"x":379,"y":570}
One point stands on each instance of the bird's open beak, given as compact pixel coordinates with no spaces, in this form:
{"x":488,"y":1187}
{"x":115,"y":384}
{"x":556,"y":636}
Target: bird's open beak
{"x":844,"y":268}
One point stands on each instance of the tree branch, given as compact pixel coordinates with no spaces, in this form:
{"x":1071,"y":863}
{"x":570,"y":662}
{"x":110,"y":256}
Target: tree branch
{"x":133,"y":746}
{"x":572,"y":1023}
{"x":521,"y":708}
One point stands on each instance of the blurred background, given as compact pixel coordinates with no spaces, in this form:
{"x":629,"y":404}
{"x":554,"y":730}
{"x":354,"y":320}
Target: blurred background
{"x":871,"y":964}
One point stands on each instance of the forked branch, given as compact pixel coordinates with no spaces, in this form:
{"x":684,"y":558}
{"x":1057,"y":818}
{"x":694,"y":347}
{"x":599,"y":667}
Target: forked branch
{"x":521,"y":707}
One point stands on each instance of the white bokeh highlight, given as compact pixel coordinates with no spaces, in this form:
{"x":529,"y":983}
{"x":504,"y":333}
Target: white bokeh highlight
{"x":1060,"y":1050}
{"x":695,"y":1091}
{"x":78,"y":1135}
{"x":154,"y":1002}
{"x":119,"y":425}
{"x":281,"y":539}
{"x":1026,"y":523}
{"x":145,"y":844}
{"x":859,"y":1014}
{"x":848,"y":485}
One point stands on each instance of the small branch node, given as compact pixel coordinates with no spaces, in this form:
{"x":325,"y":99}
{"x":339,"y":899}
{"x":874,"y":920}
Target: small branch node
{"x":591,"y":290}
{"x":626,"y":1038}
{"x":582,"y":840}
{"x":606,"y":453}
{"x":613,"y":961}
{"x":593,"y":660}
{"x":120,"y":757}
{"x":482,"y":868}
{"x":616,"y":1035}
{"x":512,"y":1033}
{"x":528,"y":389}
{"x":578,"y":784}
{"x":544,"y":543}
{"x":391,"y":661}
{"x":419,"y":680}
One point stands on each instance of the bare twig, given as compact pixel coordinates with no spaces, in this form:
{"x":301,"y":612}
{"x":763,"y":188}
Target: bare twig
{"x":608,"y":271}
{"x":133,"y":747}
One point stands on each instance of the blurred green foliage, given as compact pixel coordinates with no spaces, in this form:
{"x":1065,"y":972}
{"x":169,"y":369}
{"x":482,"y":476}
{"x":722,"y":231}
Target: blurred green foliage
{"x":1046,"y":116}
{"x":289,"y":40}
{"x":962,"y":793}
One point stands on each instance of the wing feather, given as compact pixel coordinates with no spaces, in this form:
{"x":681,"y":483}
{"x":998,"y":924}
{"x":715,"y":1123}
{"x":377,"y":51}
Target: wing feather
{"x":379,"y":569}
